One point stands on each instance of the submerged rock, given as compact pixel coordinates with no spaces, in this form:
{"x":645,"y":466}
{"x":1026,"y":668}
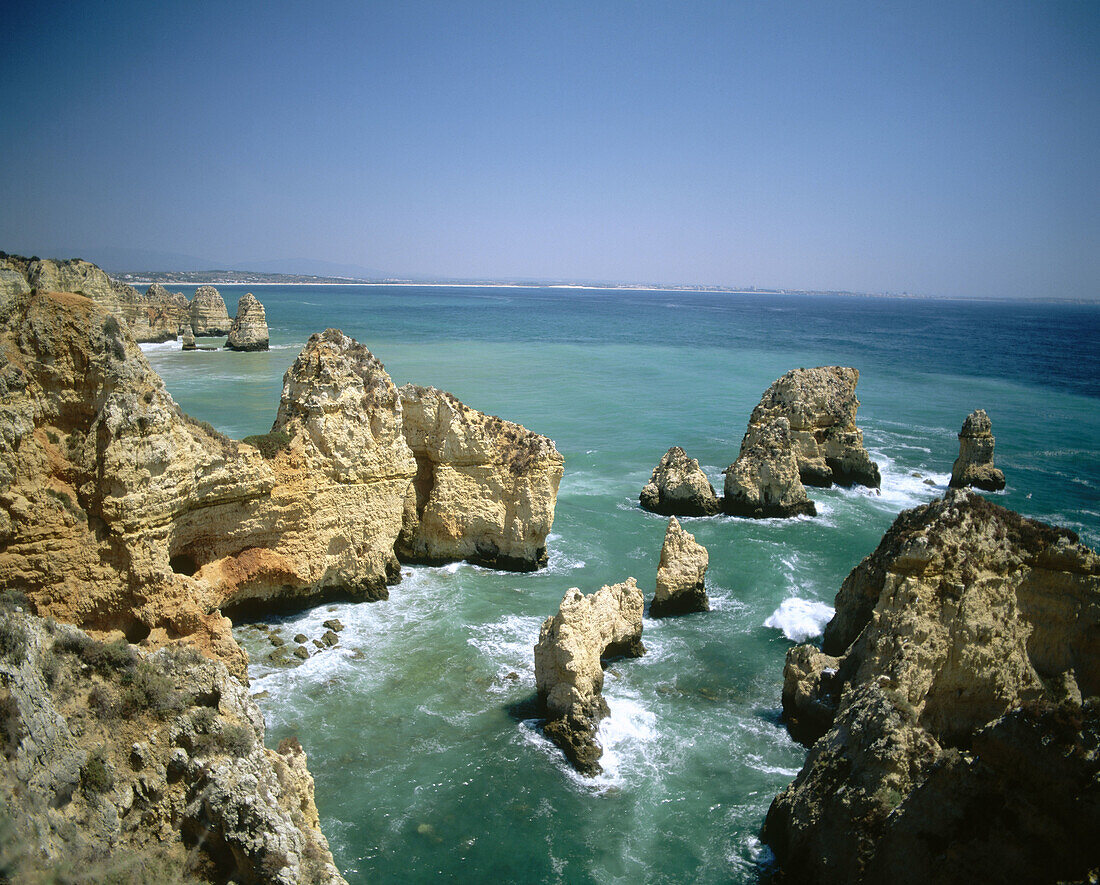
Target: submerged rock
{"x":569,"y":657}
{"x":679,"y":487}
{"x":152,"y":760}
{"x":209,"y":317}
{"x":484,"y":490}
{"x":974,"y":466}
{"x":249,"y":329}
{"x":763,"y":481}
{"x":821,"y":405}
{"x":680,"y":575}
{"x":954,"y":713}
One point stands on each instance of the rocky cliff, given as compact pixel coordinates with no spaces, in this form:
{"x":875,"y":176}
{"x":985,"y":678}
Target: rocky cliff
{"x":118,"y":763}
{"x":764,"y":482}
{"x":820,"y":405}
{"x":974,"y":466}
{"x":678,"y":487}
{"x":569,"y":657}
{"x":162,"y":315}
{"x":954,"y":713}
{"x":209,"y":317}
{"x":249,"y":329}
{"x":681,"y":575}
{"x":484,"y":489}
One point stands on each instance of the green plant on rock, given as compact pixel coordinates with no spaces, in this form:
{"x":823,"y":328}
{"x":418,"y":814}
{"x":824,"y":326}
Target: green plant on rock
{"x":269,"y":444}
{"x":95,"y":774}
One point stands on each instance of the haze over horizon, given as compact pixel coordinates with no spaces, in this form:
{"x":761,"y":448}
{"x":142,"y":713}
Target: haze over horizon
{"x":944,"y":149}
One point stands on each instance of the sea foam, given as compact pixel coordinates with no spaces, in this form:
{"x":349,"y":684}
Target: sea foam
{"x":800,"y":619}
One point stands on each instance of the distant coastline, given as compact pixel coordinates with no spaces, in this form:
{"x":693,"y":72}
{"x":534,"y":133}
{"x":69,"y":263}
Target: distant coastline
{"x":248,"y":278}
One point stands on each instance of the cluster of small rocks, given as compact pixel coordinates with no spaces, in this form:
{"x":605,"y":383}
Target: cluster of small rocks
{"x":282,"y":653}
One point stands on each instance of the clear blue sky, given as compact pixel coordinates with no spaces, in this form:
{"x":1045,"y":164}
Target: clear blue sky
{"x":937,"y":148}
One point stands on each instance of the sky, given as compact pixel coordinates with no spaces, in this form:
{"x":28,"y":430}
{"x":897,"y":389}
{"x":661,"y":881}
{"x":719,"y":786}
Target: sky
{"x":945,"y":149}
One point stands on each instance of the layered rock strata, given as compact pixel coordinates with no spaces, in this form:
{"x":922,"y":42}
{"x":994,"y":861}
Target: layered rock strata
{"x":484,"y":488}
{"x":150,"y":761}
{"x":249,"y":329}
{"x":154,"y":523}
{"x":820,"y":405}
{"x":954,"y":712}
{"x":163,"y":315}
{"x":681,"y":575}
{"x":678,"y":487}
{"x":209,"y":317}
{"x":974,"y":466}
{"x":764,"y":481}
{"x":572,"y":648}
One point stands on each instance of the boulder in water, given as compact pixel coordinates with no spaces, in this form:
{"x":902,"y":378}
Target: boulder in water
{"x":678,"y":487}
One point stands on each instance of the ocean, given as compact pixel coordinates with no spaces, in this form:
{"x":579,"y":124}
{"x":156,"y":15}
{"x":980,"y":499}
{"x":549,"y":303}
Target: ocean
{"x":419,"y":725}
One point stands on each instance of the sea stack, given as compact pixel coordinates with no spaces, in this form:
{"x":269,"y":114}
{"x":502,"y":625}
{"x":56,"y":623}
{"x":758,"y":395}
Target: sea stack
{"x":954,"y":711}
{"x":249,"y":329}
{"x":569,"y":657}
{"x":821,"y":405}
{"x":763,"y":481}
{"x":678,"y":487}
{"x":680,"y":575}
{"x":209,"y":318}
{"x":188,"y":338}
{"x":974,"y":466}
{"x":485,"y":488}
{"x":161,"y":316}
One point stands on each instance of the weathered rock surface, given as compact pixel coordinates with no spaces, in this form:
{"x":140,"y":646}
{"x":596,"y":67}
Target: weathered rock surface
{"x":154,"y":523}
{"x":680,"y":575}
{"x":111,"y":753}
{"x":209,"y":317}
{"x":679,"y":487}
{"x":763,"y":481}
{"x":249,"y":329}
{"x":974,"y":466}
{"x":484,"y":488}
{"x":821,"y":405}
{"x":955,"y":709}
{"x":161,"y":315}
{"x":569,"y":656}
{"x":188,"y":338}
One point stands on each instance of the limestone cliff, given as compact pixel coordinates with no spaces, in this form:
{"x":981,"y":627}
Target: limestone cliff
{"x":162,"y":315}
{"x":249,"y":329}
{"x":681,"y":573}
{"x":678,"y":487}
{"x":763,"y":481}
{"x":485,"y":488}
{"x":974,"y":466}
{"x":149,"y":761}
{"x":569,"y":657}
{"x":820,"y":405}
{"x":209,"y":317}
{"x":954,"y":712}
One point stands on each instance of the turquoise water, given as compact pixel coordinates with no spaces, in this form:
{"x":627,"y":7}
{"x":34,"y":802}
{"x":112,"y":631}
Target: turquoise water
{"x":418,"y":725}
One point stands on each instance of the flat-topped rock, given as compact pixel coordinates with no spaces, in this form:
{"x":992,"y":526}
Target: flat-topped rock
{"x":974,"y":466}
{"x":954,"y":713}
{"x":764,"y":481}
{"x":678,"y":487}
{"x":572,"y":646}
{"x":680,"y":575}
{"x":821,"y":404}
{"x":249,"y":329}
{"x":209,"y":317}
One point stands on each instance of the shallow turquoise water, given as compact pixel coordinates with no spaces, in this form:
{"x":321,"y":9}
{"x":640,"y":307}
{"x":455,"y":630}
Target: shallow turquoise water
{"x":426,"y":760}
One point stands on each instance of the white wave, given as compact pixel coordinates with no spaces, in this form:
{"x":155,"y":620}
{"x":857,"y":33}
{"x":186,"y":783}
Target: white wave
{"x":161,"y":347}
{"x":800,"y":619}
{"x":509,"y":644}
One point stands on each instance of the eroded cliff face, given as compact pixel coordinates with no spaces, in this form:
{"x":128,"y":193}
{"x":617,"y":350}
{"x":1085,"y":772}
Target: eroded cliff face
{"x":954,"y":714}
{"x":146,"y":761}
{"x":572,"y":648}
{"x":820,"y":404}
{"x":763,"y":482}
{"x":209,"y":316}
{"x":485,"y":488}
